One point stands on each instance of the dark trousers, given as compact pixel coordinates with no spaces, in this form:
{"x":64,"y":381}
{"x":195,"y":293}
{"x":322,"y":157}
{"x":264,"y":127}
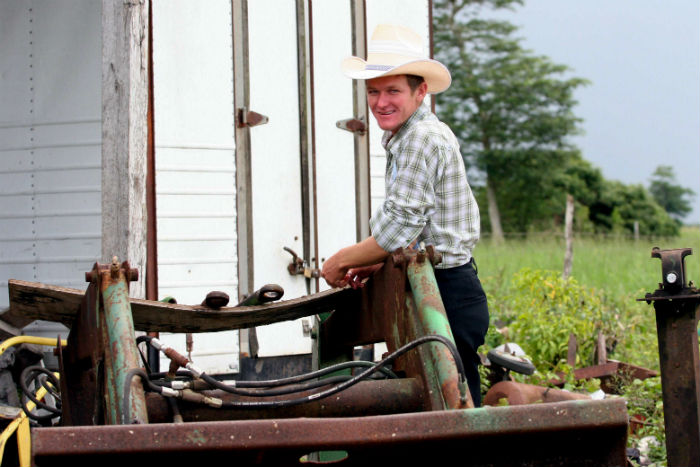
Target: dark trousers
{"x":468,"y":314}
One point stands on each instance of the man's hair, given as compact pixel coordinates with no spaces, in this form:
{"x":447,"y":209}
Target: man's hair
{"x":414,"y":81}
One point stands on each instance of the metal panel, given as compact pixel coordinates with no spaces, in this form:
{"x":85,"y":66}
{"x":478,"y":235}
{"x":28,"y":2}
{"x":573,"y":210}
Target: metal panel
{"x":414,"y":15}
{"x":275,"y":163}
{"x":335,"y":154}
{"x":195,"y":166}
{"x":50,"y":143}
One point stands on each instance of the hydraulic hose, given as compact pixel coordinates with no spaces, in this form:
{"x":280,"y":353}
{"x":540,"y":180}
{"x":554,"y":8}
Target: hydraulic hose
{"x":187,"y":394}
{"x":28,"y":374}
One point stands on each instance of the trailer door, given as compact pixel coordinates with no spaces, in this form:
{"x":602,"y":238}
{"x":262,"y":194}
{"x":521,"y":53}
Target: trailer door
{"x":195,"y":167}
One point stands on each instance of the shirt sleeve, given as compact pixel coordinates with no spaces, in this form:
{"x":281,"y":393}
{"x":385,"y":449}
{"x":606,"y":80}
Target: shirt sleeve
{"x":410,"y":196}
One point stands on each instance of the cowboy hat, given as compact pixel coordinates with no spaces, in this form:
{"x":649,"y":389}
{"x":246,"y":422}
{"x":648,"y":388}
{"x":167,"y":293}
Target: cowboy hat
{"x":397,"y":50}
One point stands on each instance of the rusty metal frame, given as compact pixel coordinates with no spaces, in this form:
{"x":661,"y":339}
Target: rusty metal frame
{"x":398,"y":306}
{"x":677,"y":307}
{"x":100,"y":351}
{"x":567,"y":433}
{"x":405,"y":420}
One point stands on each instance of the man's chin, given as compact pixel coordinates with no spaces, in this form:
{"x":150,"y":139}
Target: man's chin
{"x":387,"y":126}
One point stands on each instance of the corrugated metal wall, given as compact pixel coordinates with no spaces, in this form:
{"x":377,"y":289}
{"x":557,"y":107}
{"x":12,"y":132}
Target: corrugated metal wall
{"x":50,"y":143}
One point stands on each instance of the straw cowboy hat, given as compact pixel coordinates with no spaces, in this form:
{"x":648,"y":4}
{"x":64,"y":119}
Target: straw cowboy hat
{"x":397,"y":50}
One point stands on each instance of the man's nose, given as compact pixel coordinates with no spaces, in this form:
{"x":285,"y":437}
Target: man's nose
{"x":382,"y":99}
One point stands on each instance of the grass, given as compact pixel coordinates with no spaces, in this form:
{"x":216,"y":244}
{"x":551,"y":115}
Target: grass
{"x":620,"y":267}
{"x":615,"y":271}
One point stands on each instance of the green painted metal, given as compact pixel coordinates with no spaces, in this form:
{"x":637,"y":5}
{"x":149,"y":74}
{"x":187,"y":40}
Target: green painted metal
{"x":121,"y":352}
{"x":433,"y":319}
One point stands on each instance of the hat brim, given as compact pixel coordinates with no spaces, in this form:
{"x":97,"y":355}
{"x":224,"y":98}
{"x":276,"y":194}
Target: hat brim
{"x":436,"y":75}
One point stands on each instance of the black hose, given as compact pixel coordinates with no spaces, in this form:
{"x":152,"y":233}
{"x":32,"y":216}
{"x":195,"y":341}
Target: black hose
{"x":126,"y":412}
{"x":182,"y":374}
{"x":346,"y":383}
{"x":313,"y":374}
{"x":276,"y":391}
{"x":147,"y":340}
{"x":25,"y":378}
{"x":340,"y":387}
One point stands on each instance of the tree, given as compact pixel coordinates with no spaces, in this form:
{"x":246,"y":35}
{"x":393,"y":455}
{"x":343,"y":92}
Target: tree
{"x":510,"y":110}
{"x":619,"y":206}
{"x":670,"y":196}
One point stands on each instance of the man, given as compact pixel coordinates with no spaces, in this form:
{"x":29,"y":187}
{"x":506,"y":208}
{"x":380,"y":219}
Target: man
{"x":428,"y":198}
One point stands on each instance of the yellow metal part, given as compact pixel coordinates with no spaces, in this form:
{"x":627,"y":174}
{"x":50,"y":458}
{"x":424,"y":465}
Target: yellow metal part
{"x":24,"y":442}
{"x":21,"y":423}
{"x":6,"y":344}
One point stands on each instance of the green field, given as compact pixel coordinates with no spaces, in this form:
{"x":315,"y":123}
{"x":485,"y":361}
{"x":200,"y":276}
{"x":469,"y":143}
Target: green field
{"x":531,"y":304}
{"x":610,"y":272}
{"x":618,"y":266}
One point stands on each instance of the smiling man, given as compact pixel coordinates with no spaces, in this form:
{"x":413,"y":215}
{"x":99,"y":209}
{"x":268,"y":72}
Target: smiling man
{"x":428,"y":198}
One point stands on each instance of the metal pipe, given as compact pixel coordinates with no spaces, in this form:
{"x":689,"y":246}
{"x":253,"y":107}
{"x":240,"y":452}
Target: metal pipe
{"x":433,"y":319}
{"x":121,"y":354}
{"x":6,"y":344}
{"x":366,"y":398}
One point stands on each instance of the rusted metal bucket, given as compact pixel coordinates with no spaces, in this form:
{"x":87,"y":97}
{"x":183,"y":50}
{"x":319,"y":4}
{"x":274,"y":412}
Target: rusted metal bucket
{"x":423,"y":417}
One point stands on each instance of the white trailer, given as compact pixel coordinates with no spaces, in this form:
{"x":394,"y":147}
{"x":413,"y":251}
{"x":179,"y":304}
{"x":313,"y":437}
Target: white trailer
{"x":248,"y":163}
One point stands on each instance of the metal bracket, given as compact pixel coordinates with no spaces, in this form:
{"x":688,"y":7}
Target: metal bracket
{"x":672,"y":267}
{"x":248,"y":118}
{"x":299,"y":266}
{"x":352,"y":125}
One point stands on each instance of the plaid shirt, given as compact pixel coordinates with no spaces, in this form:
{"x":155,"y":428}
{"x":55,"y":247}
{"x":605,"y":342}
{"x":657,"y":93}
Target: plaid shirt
{"x":427,"y":194}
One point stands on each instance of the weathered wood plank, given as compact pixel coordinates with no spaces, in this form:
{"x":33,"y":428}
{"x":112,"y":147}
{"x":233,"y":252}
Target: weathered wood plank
{"x":124,"y":133}
{"x":32,"y":300}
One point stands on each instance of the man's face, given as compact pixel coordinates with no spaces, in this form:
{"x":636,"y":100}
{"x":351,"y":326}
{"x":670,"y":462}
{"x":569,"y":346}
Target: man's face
{"x":391,"y":100}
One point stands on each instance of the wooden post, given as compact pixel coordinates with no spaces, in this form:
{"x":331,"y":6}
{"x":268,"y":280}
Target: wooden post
{"x":569,"y":236}
{"x":125,"y":134}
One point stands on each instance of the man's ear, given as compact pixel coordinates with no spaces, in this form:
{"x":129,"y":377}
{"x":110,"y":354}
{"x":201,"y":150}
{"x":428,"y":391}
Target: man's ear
{"x":422,"y":90}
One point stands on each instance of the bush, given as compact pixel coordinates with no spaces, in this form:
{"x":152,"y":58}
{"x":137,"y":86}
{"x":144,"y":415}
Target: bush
{"x":538,"y":310}
{"x":541,"y":310}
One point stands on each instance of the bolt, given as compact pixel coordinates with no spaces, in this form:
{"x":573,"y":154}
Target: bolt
{"x":114,"y":268}
{"x":398,"y":257}
{"x":671,"y":277}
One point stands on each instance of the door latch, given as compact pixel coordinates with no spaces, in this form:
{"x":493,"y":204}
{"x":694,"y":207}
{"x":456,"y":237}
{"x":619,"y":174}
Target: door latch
{"x":248,"y":118}
{"x":299,"y":266}
{"x":352,"y":125}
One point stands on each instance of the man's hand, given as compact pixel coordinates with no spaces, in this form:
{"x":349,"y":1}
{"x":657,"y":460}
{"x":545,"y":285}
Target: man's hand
{"x":356,"y":276}
{"x":333,"y":272}
{"x":367,"y":253}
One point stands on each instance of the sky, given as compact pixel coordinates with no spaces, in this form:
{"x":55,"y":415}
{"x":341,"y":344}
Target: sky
{"x":642,"y":58}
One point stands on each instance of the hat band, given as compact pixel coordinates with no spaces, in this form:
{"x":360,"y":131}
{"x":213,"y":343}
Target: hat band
{"x":378,"y":67}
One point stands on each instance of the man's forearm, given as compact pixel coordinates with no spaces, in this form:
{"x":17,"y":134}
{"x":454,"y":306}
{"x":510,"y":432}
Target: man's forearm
{"x":365,"y":253}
